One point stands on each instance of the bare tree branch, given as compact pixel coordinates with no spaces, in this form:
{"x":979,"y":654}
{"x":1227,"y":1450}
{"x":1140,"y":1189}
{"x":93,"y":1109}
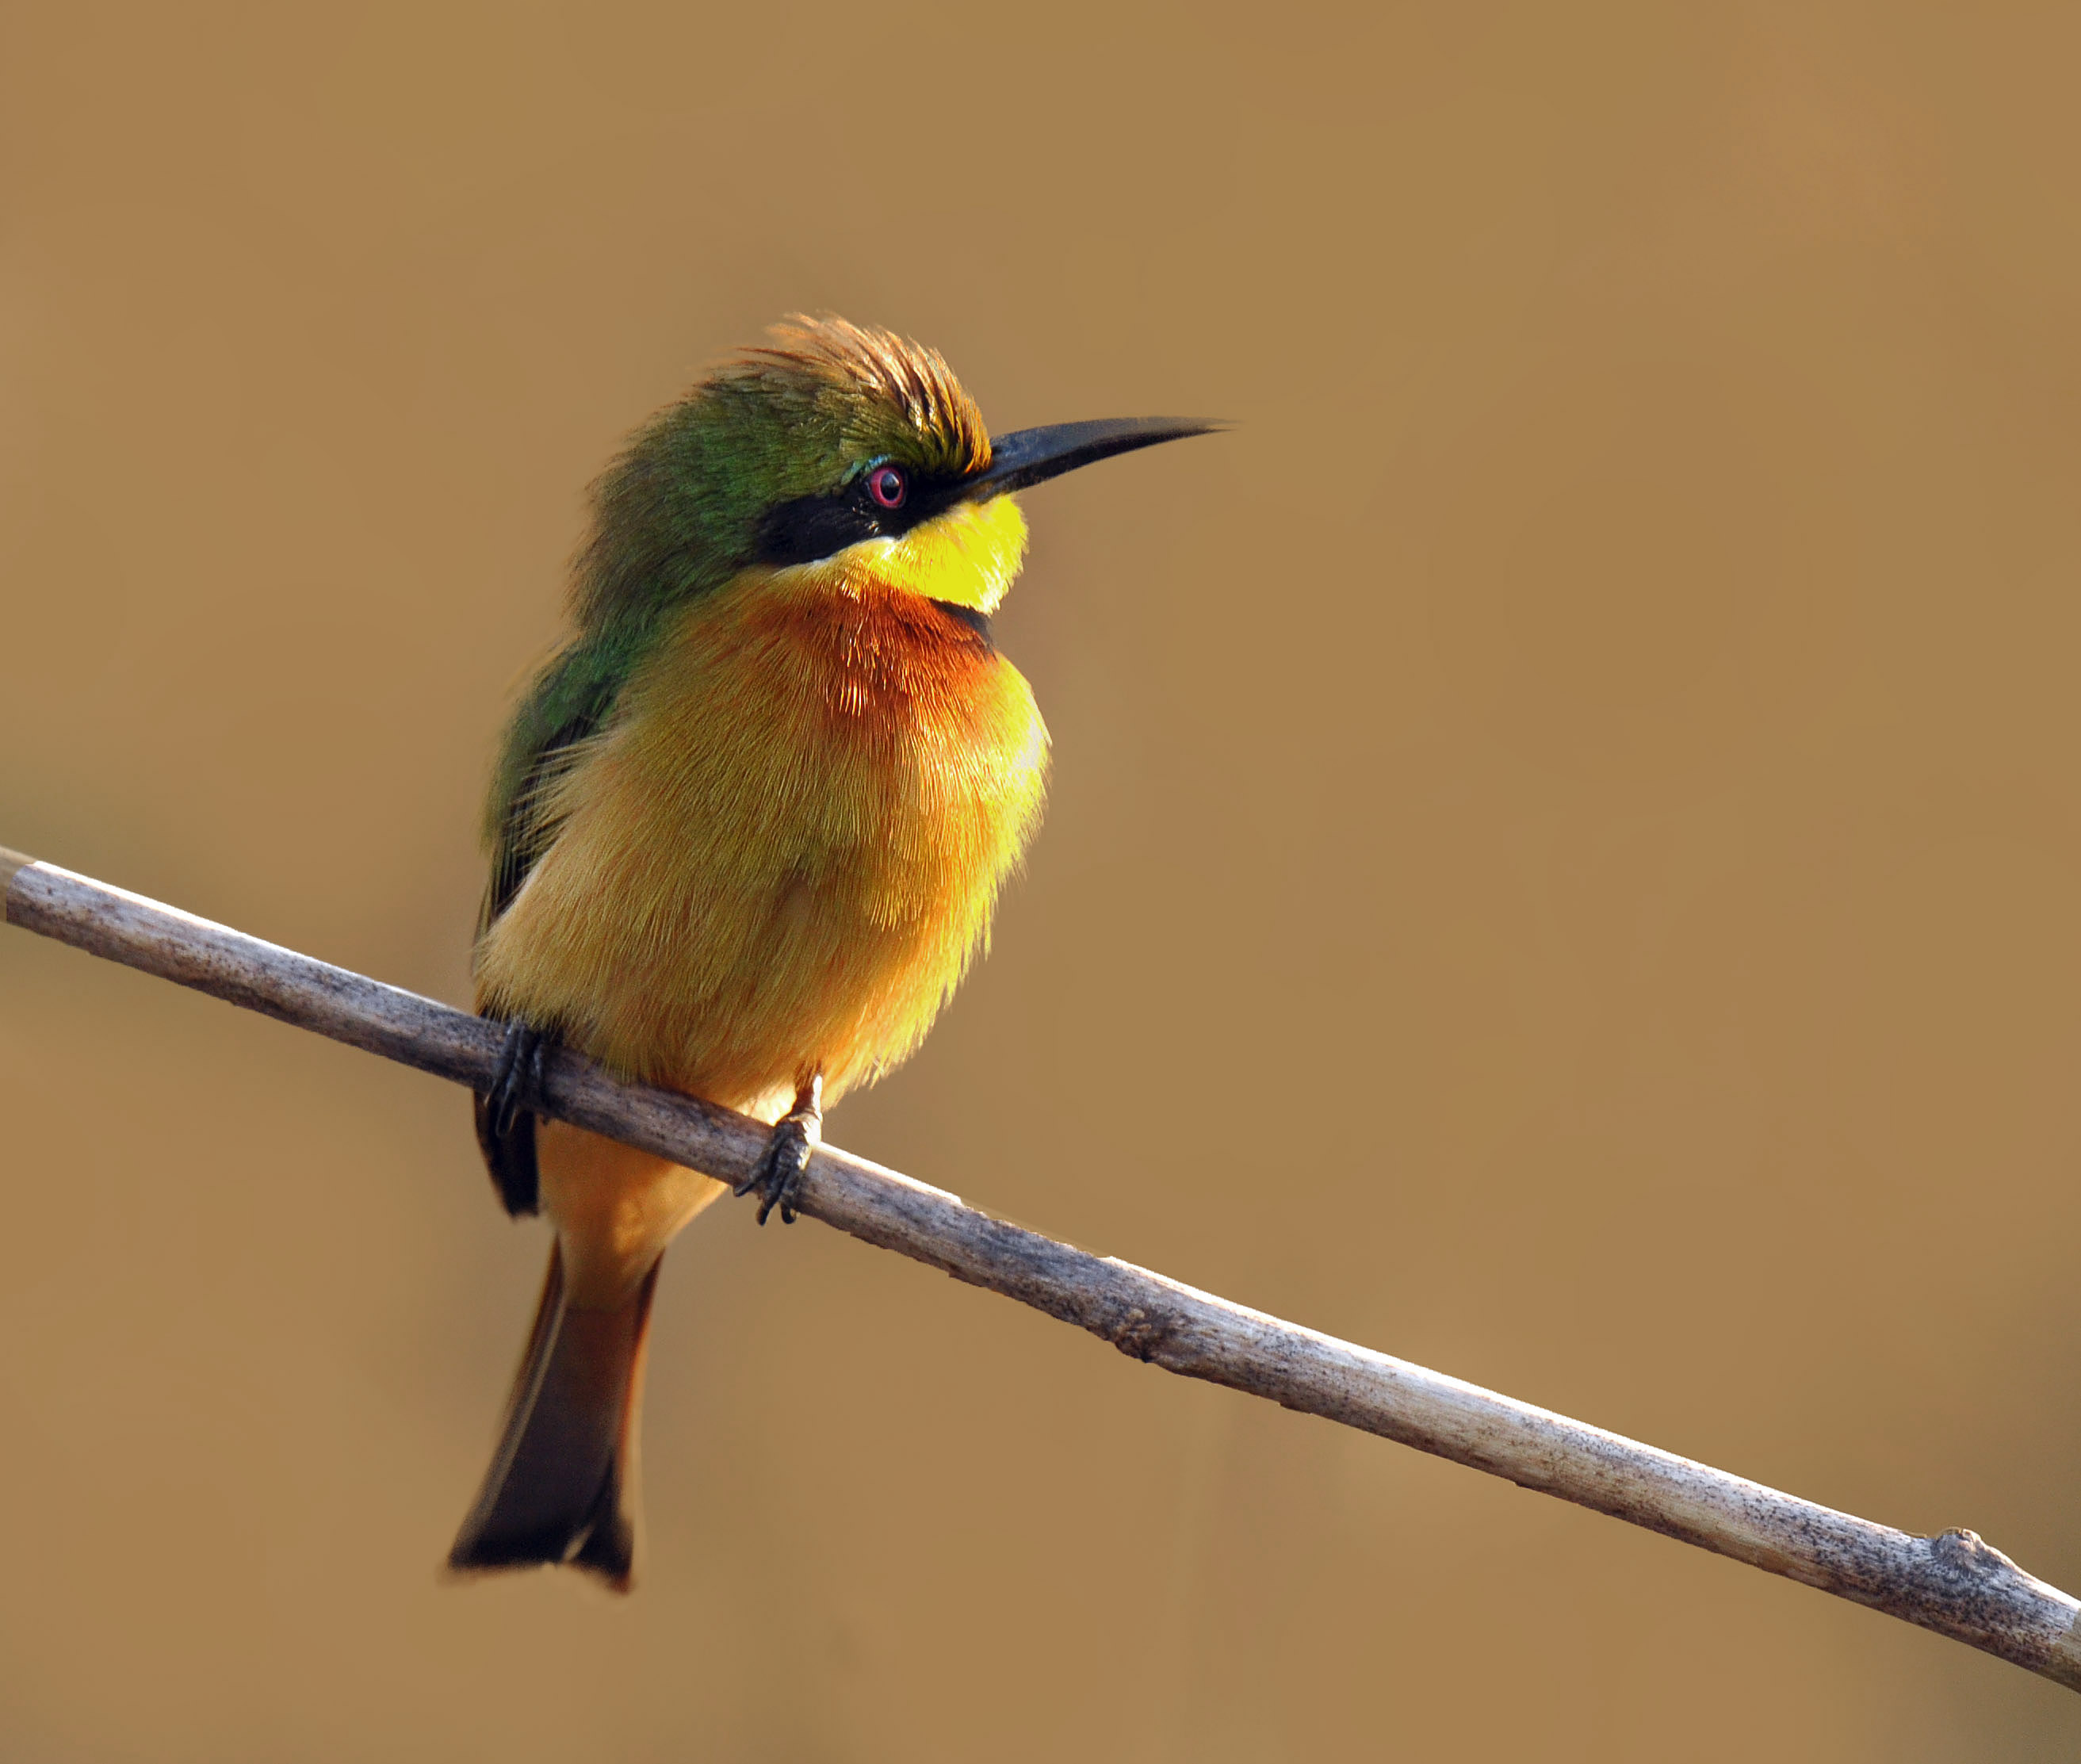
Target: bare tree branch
{"x":1953,"y":1583}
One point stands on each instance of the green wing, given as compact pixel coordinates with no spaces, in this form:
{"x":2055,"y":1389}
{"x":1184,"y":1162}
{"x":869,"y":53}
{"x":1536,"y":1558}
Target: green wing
{"x":572,"y":700}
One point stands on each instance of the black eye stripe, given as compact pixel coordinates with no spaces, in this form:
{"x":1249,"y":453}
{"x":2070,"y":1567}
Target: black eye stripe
{"x":813,"y":526}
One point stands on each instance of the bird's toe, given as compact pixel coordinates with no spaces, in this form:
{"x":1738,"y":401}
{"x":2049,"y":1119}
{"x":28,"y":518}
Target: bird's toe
{"x":777,"y":1176}
{"x":517,"y":1079}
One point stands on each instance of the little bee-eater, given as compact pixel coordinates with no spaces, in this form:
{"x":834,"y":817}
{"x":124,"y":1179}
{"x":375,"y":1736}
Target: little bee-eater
{"x":747,"y":832}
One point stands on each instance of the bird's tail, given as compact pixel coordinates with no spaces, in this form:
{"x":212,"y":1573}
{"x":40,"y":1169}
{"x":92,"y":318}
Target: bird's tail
{"x":561,"y":1487}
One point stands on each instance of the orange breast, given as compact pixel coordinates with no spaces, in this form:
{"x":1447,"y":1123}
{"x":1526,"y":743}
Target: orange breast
{"x":784,"y":853}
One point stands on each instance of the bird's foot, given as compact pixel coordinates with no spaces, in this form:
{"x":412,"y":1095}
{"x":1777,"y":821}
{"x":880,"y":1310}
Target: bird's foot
{"x":778,"y":1173}
{"x":517,"y":1079}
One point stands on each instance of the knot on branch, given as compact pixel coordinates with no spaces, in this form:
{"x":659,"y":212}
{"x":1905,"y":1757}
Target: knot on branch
{"x":1968,"y":1553}
{"x":1141,"y":1335}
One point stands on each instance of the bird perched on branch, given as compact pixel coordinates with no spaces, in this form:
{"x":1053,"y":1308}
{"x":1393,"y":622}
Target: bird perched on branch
{"x":747,"y":830}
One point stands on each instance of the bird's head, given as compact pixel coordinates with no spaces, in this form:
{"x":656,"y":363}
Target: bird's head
{"x":832,"y":444}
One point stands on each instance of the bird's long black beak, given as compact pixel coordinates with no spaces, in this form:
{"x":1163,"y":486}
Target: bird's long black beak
{"x":1028,"y":457}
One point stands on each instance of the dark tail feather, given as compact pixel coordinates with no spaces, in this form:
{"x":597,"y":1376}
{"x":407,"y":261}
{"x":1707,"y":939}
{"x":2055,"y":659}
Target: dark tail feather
{"x":562,"y":1484}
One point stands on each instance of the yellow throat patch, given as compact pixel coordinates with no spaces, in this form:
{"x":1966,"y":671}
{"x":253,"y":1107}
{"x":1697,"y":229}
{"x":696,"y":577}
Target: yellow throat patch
{"x":967,"y":557}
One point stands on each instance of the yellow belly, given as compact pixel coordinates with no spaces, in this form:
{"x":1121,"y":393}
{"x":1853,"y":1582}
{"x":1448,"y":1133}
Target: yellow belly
{"x":783,"y":856}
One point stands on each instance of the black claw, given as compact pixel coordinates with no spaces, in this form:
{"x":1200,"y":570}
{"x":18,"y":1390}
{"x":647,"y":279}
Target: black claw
{"x":787,"y":1156}
{"x":517,"y":1080}
{"x":538,"y":1066}
{"x":777,"y":1175}
{"x":498,"y":1099}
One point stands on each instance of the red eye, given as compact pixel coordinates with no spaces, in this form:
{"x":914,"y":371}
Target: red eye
{"x":887,"y":485}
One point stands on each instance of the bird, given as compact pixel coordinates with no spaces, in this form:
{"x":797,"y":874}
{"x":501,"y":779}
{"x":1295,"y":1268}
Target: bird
{"x":747,"y":828}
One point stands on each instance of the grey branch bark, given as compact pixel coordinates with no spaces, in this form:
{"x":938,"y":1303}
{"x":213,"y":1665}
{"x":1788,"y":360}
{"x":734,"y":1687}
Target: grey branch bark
{"x":1953,"y":1583}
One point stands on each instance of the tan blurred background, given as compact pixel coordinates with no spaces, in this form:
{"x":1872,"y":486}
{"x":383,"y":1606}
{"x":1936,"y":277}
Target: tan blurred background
{"x":1563,"y":864}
